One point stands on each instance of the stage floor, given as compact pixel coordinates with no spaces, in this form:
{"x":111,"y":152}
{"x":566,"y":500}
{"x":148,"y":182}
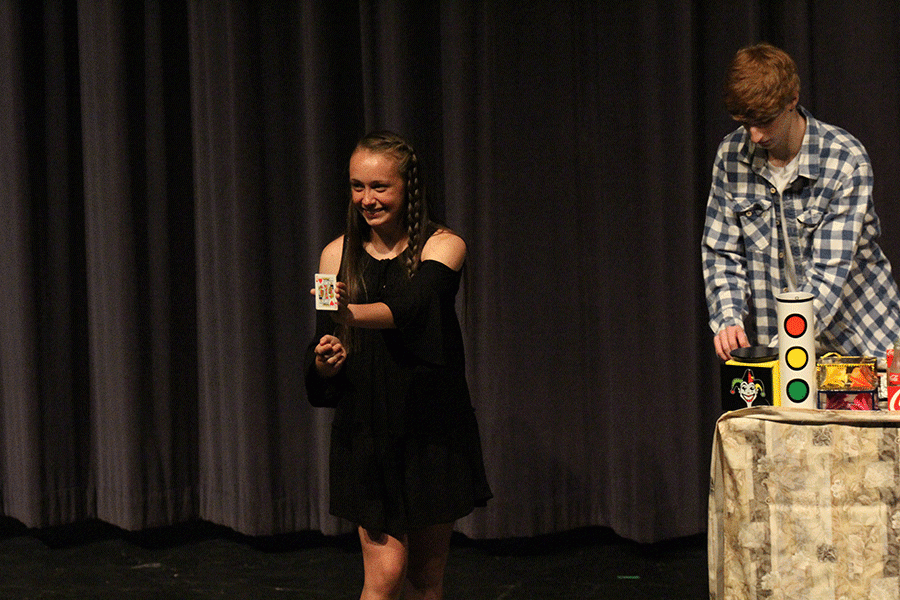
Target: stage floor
{"x":93,"y":561}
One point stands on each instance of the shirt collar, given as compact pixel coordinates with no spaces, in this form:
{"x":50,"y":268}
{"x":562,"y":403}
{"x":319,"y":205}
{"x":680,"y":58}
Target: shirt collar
{"x":809,"y":150}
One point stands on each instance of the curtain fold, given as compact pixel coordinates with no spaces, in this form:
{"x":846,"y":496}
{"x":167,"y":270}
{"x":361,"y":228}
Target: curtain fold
{"x":18,"y":346}
{"x":171,"y":170}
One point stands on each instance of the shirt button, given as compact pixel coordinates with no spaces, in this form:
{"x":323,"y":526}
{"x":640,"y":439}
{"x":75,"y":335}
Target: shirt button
{"x":773,"y":190}
{"x":781,"y":255}
{"x":749,"y":213}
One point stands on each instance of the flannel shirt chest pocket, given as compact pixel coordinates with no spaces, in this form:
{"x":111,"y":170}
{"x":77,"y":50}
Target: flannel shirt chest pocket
{"x":808,"y":223}
{"x":755,"y":216}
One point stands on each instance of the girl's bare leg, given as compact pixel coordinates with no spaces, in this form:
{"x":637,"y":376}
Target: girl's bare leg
{"x":384,"y":564}
{"x":428,"y":550}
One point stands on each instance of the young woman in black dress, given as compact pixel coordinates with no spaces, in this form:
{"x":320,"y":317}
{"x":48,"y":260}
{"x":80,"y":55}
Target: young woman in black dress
{"x":406,"y":458}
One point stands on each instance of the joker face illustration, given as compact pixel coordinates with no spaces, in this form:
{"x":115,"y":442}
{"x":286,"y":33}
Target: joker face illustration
{"x":748,"y":388}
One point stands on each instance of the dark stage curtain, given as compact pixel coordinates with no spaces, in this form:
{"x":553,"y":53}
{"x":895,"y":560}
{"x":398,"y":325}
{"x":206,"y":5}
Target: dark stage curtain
{"x":170,"y":170}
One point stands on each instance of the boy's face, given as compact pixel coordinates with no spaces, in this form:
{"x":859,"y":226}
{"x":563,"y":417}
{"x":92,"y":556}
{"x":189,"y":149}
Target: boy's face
{"x":772,"y":134}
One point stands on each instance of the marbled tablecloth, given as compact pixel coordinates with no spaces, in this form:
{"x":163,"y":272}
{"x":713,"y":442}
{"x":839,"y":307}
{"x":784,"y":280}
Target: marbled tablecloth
{"x":805,"y":505}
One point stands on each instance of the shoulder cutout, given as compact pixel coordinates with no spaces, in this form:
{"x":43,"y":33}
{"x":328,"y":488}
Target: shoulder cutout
{"x":445,"y":247}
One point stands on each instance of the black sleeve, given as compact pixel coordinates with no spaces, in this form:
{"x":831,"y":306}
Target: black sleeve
{"x":420,"y":308}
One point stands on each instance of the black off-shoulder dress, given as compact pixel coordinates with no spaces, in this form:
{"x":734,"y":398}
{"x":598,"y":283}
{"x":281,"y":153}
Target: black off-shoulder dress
{"x":405,"y":447}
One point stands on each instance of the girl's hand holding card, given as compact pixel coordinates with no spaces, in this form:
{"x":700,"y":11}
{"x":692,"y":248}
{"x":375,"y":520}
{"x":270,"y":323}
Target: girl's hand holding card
{"x":331,"y":295}
{"x":343,"y":304}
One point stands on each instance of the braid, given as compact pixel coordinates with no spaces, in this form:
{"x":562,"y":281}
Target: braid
{"x":413,"y":214}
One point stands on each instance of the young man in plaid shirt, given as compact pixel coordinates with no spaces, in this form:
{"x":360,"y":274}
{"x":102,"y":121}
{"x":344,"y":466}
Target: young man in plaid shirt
{"x":790,"y":208}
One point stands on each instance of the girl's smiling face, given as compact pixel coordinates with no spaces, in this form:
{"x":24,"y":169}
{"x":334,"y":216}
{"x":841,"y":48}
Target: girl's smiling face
{"x":377,"y":189}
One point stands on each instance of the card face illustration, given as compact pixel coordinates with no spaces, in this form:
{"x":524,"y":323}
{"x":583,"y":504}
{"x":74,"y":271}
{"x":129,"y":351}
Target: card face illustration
{"x":326,"y":299}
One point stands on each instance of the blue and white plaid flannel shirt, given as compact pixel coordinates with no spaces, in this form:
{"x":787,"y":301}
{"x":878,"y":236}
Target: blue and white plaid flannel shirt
{"x":832,"y":227}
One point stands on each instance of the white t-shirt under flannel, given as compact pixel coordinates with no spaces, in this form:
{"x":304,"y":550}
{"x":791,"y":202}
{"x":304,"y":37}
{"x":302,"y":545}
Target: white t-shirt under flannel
{"x":832,"y":228}
{"x":781,"y":178}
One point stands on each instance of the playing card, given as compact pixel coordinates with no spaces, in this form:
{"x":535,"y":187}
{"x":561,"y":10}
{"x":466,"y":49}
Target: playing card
{"x":326,"y":298}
